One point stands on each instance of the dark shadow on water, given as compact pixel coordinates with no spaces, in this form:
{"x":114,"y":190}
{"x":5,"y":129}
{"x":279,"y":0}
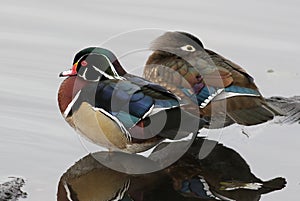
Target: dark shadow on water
{"x":222,"y":175}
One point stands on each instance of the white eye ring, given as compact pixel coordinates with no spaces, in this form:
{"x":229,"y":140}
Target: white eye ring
{"x":188,"y":48}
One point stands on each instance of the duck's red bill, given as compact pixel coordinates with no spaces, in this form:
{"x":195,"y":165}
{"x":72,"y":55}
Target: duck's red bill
{"x":71,"y":72}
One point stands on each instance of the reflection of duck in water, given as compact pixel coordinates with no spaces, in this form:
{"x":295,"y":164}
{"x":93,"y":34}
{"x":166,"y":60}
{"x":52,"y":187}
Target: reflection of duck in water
{"x":222,"y":175}
{"x":228,"y":175}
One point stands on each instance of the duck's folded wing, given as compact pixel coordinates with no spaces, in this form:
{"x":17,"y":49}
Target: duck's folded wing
{"x":227,"y":64}
{"x":244,"y":110}
{"x":249,"y":110}
{"x":143,"y":111}
{"x":119,"y":99}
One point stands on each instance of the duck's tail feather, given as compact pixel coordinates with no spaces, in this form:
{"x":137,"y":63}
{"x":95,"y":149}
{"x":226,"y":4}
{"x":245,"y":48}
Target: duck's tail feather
{"x":261,"y":186}
{"x":288,"y":107}
{"x":272,"y":185}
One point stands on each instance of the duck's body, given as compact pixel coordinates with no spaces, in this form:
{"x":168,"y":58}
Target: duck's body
{"x":114,"y":109}
{"x":220,"y":88}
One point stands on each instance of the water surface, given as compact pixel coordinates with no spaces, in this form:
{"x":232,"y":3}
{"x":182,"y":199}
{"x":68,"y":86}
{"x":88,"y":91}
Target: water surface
{"x":38,"y":40}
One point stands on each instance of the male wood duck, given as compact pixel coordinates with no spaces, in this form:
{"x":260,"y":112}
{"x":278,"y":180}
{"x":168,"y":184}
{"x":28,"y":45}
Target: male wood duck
{"x":181,"y":64}
{"x":115,"y":109}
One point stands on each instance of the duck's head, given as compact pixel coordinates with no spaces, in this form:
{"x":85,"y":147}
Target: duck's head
{"x":183,"y":47}
{"x":178,"y":43}
{"x":94,"y":64}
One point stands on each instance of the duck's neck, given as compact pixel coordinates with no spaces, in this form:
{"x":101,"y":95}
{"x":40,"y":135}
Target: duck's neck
{"x":67,"y":90}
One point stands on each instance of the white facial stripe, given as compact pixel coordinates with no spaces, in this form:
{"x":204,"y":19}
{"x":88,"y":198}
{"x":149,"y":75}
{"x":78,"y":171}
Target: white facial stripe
{"x":84,"y":76}
{"x":84,"y":72}
{"x":104,"y":73}
{"x":116,"y":75}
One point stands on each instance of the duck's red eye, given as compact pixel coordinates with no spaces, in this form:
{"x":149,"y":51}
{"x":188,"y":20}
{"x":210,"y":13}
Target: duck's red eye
{"x":84,"y":63}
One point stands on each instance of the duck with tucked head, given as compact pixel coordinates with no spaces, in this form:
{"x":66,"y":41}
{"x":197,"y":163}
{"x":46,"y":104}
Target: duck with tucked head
{"x":115,"y":109}
{"x":181,"y":64}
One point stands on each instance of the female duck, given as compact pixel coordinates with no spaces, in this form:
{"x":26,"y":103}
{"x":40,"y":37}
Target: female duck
{"x":218,"y":87}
